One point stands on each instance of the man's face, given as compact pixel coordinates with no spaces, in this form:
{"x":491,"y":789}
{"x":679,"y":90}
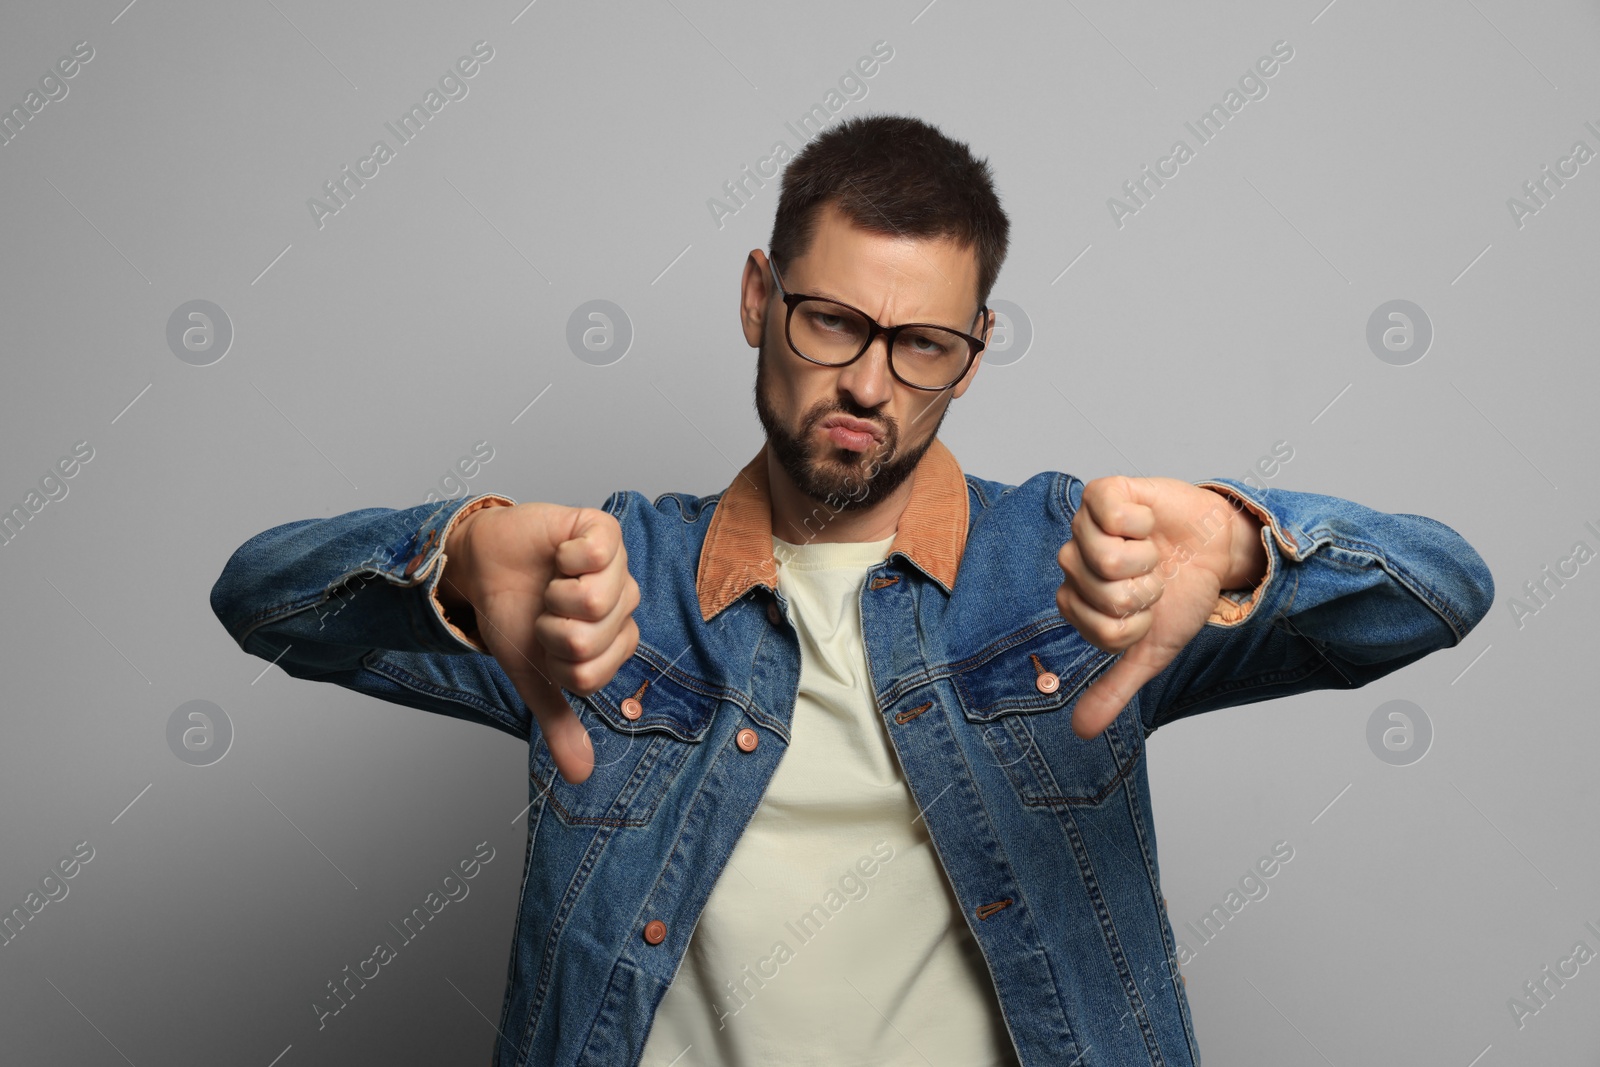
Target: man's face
{"x":894,"y":280}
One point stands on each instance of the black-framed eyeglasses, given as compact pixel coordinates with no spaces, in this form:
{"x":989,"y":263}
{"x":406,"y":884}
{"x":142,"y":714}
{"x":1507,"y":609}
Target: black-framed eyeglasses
{"x":834,"y":334}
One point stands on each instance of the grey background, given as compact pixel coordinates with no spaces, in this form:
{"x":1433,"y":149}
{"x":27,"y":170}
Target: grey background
{"x":369,"y":355}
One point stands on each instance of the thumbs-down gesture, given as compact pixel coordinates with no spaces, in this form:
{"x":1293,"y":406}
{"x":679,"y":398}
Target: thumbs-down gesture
{"x":1147,"y":558}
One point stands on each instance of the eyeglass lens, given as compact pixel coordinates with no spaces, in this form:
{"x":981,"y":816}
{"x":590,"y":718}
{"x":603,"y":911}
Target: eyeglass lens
{"x":832,"y":333}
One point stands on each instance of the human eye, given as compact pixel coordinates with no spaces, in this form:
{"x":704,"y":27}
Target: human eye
{"x":929,"y":343}
{"x":832,"y":319}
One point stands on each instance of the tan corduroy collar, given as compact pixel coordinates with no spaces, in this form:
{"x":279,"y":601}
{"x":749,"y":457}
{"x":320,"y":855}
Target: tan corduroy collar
{"x":737,"y":553}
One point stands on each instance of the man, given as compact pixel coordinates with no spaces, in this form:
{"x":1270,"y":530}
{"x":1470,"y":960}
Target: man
{"x":844,"y":764}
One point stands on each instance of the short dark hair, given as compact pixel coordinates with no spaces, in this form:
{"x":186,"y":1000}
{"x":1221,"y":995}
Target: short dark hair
{"x":898,"y":176}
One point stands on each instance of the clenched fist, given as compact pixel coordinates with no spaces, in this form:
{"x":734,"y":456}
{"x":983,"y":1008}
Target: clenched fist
{"x":1147,"y":559}
{"x":553,"y":600}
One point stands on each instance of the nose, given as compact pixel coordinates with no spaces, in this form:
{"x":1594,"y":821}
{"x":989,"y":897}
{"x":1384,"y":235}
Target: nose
{"x":868,"y":380}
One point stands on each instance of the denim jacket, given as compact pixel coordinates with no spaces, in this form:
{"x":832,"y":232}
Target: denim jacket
{"x":1048,"y":840}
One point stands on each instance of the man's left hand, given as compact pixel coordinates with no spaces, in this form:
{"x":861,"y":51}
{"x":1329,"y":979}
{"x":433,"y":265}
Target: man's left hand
{"x":1147,"y":558}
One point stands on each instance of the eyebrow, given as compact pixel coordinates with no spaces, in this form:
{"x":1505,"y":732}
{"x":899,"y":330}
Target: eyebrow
{"x":840,"y":300}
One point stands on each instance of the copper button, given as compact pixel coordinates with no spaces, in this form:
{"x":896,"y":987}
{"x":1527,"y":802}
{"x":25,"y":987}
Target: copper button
{"x":1048,"y":682}
{"x":772,"y":612}
{"x":655,"y":931}
{"x":747,"y":739}
{"x":631,"y":708}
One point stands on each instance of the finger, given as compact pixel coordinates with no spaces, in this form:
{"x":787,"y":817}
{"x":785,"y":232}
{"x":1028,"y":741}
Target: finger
{"x":1114,"y":506}
{"x":507,"y":628}
{"x":596,"y":539}
{"x":1110,"y":555}
{"x":587,"y":677}
{"x":574,"y":639}
{"x":570,"y":747}
{"x":1107,"y":632}
{"x":588,"y":597}
{"x":1103,"y":701}
{"x":571,"y":647}
{"x":568,"y":741}
{"x":1118,"y":596}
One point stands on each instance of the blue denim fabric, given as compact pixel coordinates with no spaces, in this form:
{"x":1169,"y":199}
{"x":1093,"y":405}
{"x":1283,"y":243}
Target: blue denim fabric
{"x":1048,"y":840}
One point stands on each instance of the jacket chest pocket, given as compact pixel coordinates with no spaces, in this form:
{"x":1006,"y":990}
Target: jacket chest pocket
{"x":644,"y":726}
{"x":1019,"y":695}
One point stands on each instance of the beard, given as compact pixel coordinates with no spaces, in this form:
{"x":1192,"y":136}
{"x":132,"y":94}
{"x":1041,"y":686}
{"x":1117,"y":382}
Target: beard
{"x":840,"y":478}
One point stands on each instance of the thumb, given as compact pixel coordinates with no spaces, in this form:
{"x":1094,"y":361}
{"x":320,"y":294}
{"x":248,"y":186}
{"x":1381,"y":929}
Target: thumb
{"x":1102,"y":702}
{"x":570,"y":747}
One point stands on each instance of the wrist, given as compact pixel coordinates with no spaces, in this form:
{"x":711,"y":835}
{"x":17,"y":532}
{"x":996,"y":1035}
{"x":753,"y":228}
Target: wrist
{"x":1247,"y":554}
{"x":456,"y":581}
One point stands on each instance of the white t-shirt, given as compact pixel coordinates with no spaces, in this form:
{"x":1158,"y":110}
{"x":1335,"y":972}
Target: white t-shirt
{"x":833,"y":937}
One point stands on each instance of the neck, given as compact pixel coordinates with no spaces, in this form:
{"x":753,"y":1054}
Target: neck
{"x":801,"y":519}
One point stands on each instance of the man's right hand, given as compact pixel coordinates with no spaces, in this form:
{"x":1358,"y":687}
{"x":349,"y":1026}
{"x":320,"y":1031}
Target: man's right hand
{"x":554,"y":603}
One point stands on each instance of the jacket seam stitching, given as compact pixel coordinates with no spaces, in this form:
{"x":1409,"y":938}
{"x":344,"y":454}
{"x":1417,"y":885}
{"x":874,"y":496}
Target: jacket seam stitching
{"x":558,"y":924}
{"x":375,"y":662}
{"x":1439,"y":605}
{"x":1059,"y":801}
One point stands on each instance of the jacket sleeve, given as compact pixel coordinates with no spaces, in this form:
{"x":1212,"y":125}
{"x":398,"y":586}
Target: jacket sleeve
{"x":1350,"y":595}
{"x":351,"y":600}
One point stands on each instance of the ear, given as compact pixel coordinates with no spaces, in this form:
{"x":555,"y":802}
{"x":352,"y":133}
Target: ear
{"x":755,"y":297}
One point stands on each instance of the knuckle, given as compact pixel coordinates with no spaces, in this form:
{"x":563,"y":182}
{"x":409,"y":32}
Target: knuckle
{"x":1126,"y":601}
{"x":1097,"y":637}
{"x":585,"y":679}
{"x":610,"y":529}
{"x":562,"y":639}
{"x":573,"y":649}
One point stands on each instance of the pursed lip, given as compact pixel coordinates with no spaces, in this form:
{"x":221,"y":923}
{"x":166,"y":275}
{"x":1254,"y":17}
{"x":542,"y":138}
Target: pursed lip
{"x":856,"y":425}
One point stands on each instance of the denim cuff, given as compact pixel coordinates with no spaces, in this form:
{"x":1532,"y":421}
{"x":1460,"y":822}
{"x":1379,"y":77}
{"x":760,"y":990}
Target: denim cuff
{"x":426,"y":566}
{"x":1235,"y":606}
